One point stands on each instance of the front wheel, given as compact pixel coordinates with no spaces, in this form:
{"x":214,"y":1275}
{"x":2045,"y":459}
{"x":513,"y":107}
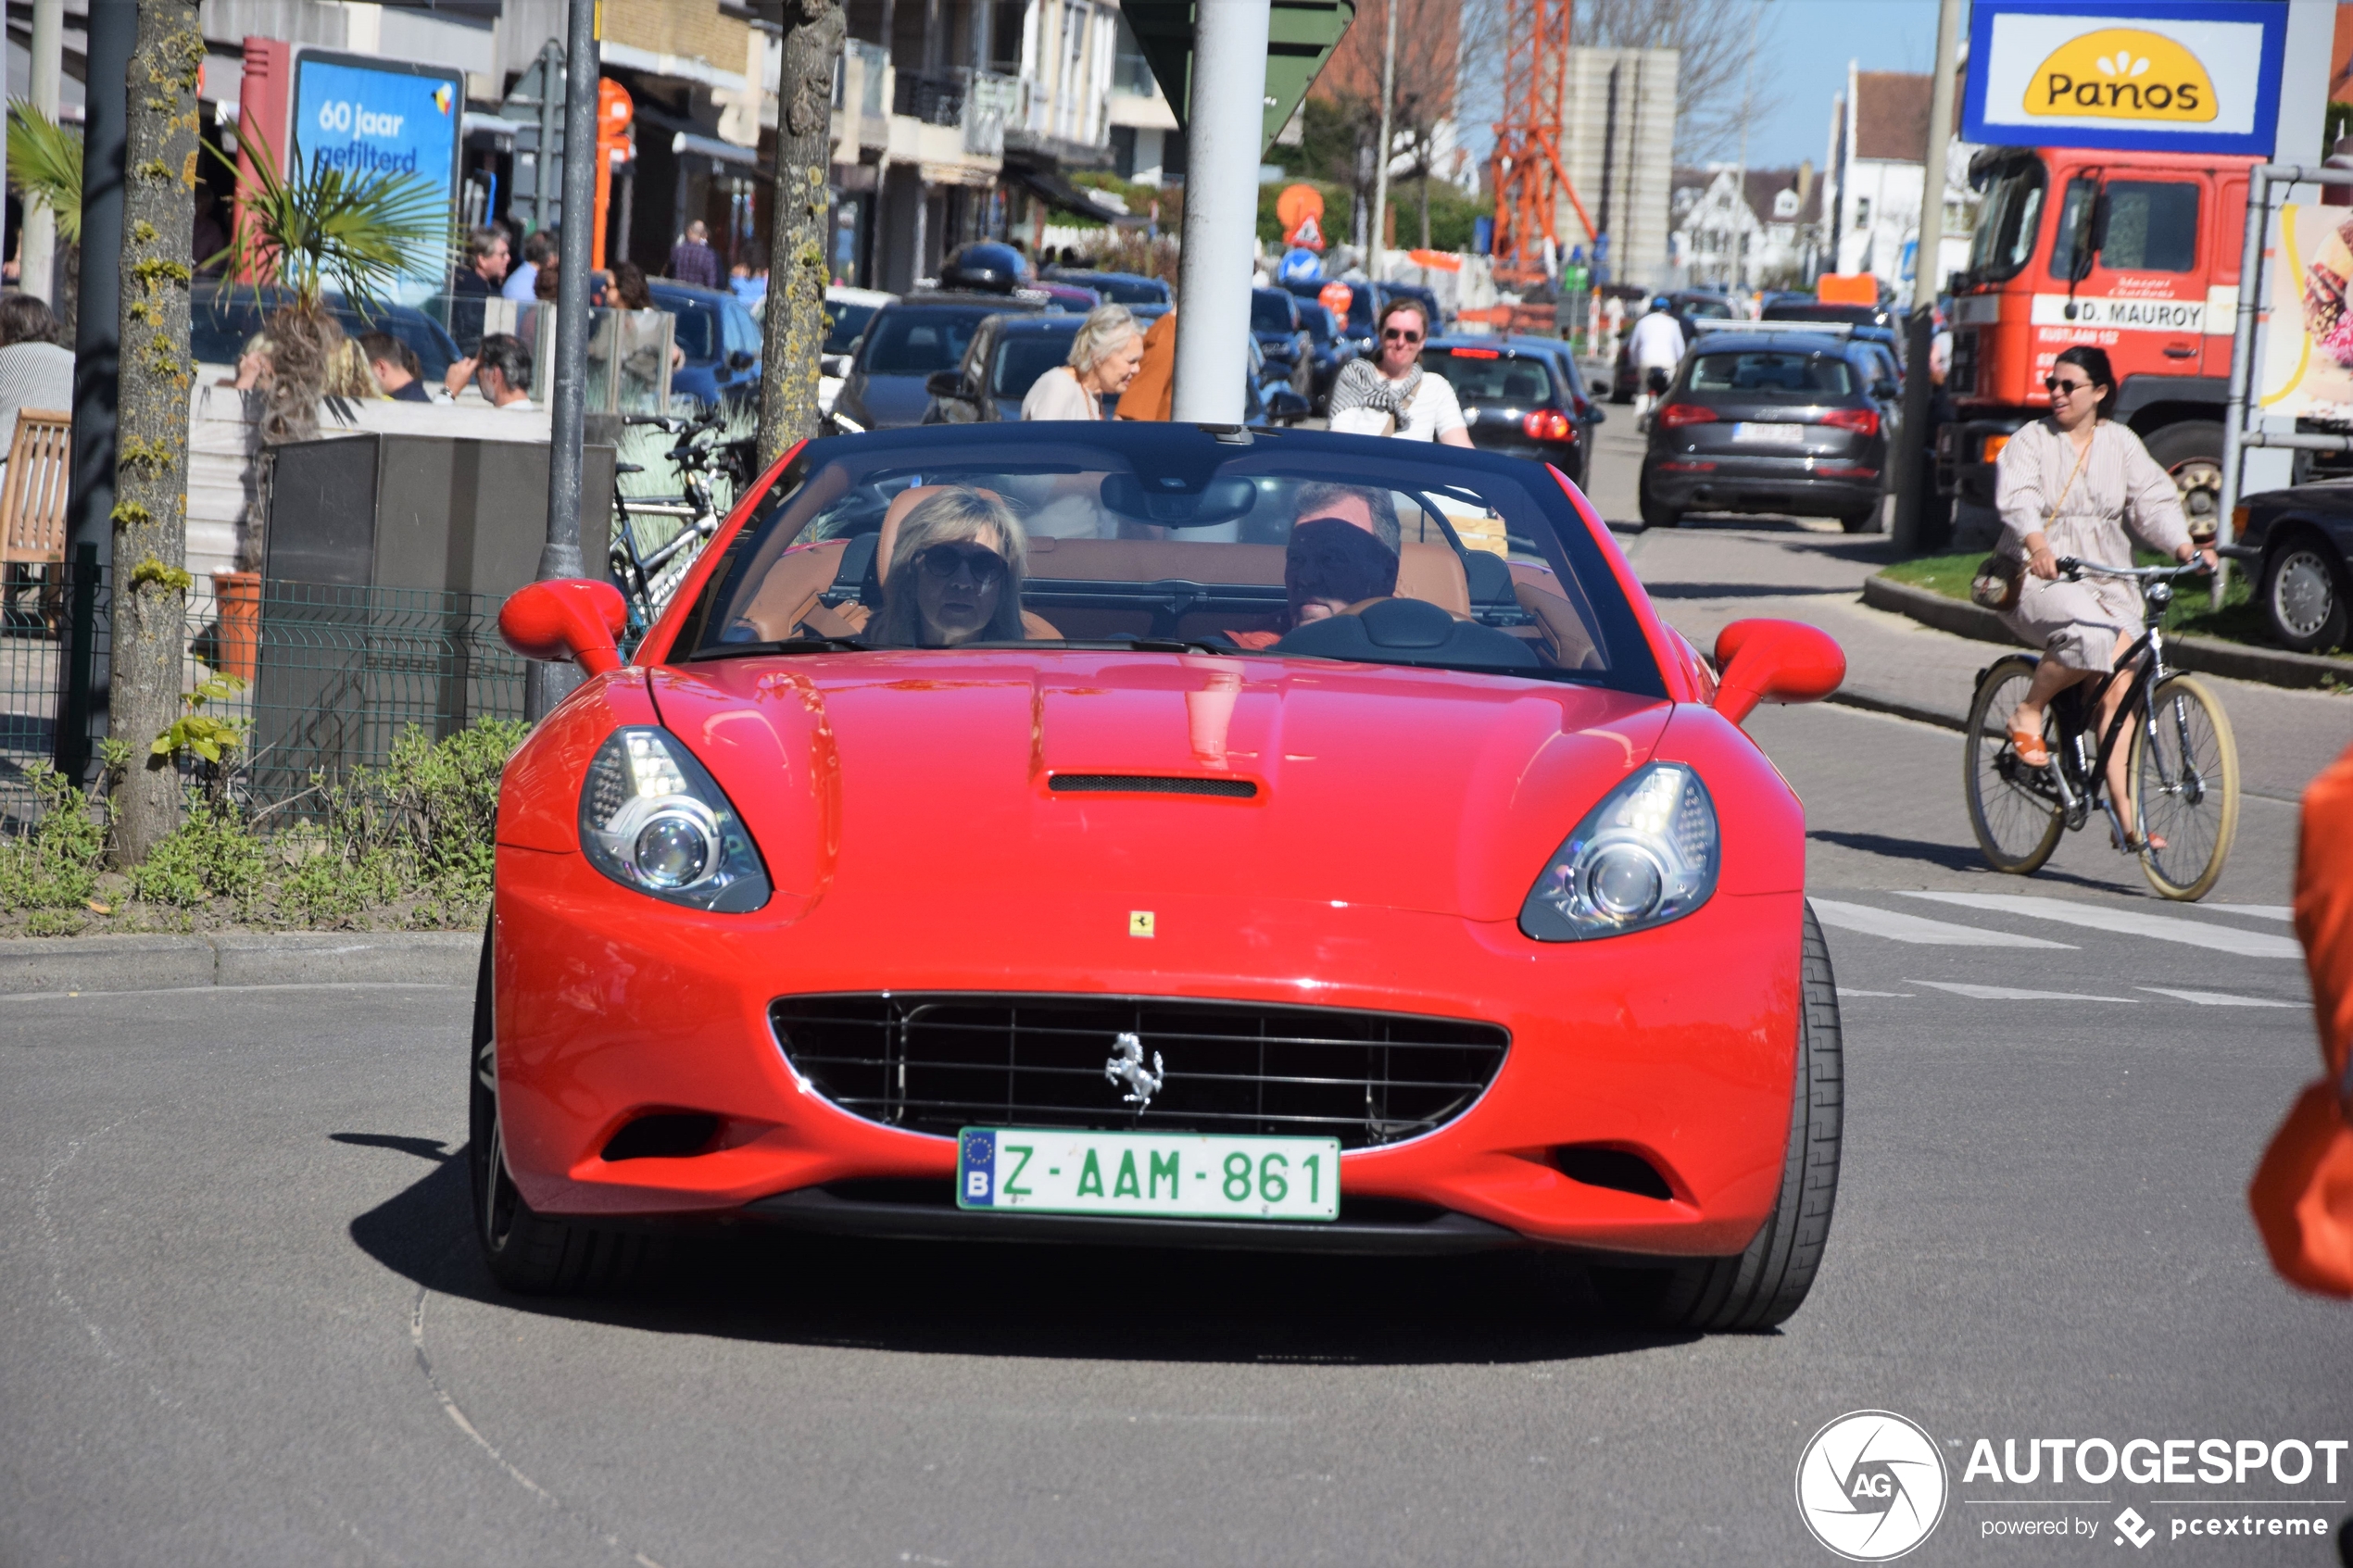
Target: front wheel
{"x":527,"y":1252}
{"x":1765,"y":1286}
{"x":2013,"y":809}
{"x":2302,"y":597}
{"x":2186,"y":787}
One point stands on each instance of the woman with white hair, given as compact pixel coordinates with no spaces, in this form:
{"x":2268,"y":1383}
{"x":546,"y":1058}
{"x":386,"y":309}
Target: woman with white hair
{"x":1103,"y":359}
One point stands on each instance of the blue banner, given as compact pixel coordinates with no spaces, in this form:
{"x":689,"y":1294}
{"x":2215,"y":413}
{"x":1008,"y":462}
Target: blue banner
{"x":373,"y":118}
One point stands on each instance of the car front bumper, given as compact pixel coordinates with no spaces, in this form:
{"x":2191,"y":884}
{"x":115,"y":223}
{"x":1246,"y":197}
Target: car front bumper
{"x":611,"y":1006}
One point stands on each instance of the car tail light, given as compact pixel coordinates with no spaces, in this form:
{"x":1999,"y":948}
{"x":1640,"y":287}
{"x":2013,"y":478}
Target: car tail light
{"x":1475,"y":353}
{"x":1994,"y":445}
{"x":1548,"y":424}
{"x":1677,"y":414}
{"x":1845,"y":471}
{"x":1862,"y":421}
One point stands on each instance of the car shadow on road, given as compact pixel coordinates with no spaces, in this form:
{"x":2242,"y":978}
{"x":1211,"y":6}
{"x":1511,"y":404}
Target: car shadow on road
{"x":1087,"y":1303}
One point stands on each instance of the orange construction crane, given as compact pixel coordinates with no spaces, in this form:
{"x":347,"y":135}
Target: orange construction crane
{"x":1529,"y":182}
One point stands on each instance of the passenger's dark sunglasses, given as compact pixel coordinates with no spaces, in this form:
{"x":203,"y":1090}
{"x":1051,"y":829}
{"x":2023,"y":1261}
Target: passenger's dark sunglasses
{"x":1399,"y":335}
{"x":2051,"y":383}
{"x":984,"y":566}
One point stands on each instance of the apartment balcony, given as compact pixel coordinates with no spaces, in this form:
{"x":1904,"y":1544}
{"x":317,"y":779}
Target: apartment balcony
{"x":953,"y":122}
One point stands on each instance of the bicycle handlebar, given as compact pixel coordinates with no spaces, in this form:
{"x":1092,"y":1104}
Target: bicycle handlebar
{"x":2073,"y":569}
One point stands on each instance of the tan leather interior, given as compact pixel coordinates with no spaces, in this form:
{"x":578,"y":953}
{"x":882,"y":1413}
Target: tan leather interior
{"x":1433,"y":574}
{"x":789,"y":593}
{"x":1564,"y":631}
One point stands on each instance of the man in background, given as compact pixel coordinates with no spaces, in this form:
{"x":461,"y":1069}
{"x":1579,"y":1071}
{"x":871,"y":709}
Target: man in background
{"x":500,"y":371}
{"x":1656,"y":348}
{"x":537,"y":249}
{"x":395,"y":366}
{"x":692,"y":261}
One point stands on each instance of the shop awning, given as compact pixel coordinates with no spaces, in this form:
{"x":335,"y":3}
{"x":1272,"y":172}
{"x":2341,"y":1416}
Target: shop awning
{"x":1056,"y":191}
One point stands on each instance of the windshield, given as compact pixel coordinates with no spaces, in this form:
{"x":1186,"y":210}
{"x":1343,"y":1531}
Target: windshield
{"x":1270,"y":311}
{"x":2152,"y":225}
{"x":693,"y":332}
{"x":1310,"y":547}
{"x":916,"y":342}
{"x":1766,"y":376}
{"x":1022,"y":358}
{"x":1128,"y":291}
{"x":1489,"y":375}
{"x":1707,"y":307}
{"x":2008,"y":223}
{"x":843,"y":322}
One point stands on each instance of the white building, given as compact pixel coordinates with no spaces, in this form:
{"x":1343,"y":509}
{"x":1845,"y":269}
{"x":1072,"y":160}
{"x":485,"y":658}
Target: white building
{"x":1878,"y":156}
{"x":1767,"y":236}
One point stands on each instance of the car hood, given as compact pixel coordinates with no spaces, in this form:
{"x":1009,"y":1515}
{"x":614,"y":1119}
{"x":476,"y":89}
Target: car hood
{"x":891,"y":402}
{"x":933,"y":774}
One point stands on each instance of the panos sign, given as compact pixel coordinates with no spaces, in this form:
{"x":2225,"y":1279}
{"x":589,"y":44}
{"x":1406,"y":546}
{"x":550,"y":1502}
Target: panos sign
{"x":2127,"y":75}
{"x":377,"y":117}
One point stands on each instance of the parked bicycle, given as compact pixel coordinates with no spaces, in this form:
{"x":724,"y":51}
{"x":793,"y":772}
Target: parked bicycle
{"x":2184,"y":764}
{"x":647,"y":572}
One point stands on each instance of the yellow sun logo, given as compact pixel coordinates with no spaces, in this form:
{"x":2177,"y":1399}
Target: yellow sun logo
{"x":2121,"y":73}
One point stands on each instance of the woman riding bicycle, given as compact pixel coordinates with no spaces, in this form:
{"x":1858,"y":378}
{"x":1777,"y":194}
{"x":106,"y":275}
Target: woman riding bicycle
{"x":2071,"y":486}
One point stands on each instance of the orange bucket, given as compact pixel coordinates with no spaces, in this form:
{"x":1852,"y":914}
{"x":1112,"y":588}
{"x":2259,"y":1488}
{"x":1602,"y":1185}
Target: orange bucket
{"x":236,"y":596}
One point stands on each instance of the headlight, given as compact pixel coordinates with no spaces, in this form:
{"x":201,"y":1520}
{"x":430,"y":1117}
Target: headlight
{"x":1647,"y":854}
{"x":653,"y":819}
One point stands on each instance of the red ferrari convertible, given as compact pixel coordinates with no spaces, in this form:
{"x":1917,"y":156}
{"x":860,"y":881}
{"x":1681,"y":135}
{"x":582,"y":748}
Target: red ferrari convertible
{"x":1169,"y":835}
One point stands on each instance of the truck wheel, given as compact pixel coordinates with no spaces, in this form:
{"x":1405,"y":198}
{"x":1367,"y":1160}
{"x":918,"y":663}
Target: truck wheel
{"x":2191,"y":453}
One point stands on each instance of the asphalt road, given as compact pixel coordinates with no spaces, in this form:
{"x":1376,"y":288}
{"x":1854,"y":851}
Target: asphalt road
{"x":244,"y":1322}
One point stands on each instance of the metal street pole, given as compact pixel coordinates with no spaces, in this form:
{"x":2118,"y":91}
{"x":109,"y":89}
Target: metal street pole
{"x":1378,"y":242}
{"x":1913,"y":477}
{"x":37,"y":243}
{"x":566,"y":405}
{"x":1227,"y":129}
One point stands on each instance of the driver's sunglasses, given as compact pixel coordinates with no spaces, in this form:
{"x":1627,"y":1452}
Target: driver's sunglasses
{"x":2069,"y":388}
{"x":983,"y":565}
{"x":1399,"y":335}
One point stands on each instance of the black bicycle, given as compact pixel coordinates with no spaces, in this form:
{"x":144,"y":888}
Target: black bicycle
{"x":650,"y":568}
{"x":2184,"y":763}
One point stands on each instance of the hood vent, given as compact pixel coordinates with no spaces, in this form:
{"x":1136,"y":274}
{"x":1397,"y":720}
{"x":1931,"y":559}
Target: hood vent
{"x":1145,"y":783}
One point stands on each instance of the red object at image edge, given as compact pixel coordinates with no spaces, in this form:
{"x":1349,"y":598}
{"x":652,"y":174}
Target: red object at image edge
{"x":572,"y":618}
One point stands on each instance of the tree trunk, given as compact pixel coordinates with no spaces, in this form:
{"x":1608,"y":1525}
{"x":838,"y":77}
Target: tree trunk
{"x":797,"y":271}
{"x":151,"y":471}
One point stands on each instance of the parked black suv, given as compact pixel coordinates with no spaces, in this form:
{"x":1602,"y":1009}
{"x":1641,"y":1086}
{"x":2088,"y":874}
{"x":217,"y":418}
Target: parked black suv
{"x":1768,"y":422}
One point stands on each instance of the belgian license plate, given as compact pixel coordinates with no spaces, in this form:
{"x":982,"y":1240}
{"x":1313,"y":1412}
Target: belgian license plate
{"x":1769,"y":435}
{"x":1169,"y":1175}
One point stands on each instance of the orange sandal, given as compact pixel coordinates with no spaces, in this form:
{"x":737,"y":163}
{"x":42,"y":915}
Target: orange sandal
{"x":2027,"y":744}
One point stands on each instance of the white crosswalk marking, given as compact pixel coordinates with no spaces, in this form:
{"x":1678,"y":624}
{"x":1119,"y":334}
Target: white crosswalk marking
{"x":2260,"y":911}
{"x":2131,"y":922}
{"x":2217,"y":998}
{"x":2012,"y":994}
{"x":1913,"y":928}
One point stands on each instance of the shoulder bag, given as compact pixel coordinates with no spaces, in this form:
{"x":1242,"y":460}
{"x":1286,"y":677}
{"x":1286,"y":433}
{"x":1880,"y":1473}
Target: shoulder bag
{"x":1999,"y":578}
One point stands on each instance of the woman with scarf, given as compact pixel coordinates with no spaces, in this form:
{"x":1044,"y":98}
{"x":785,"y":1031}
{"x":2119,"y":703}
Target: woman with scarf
{"x":1391,"y":394}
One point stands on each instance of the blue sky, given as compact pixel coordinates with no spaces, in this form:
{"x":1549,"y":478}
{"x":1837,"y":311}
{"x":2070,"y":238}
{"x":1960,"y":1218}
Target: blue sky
{"x":1806,"y":46}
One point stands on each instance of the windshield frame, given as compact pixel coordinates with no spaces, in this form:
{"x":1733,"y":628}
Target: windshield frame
{"x":1580,"y":565}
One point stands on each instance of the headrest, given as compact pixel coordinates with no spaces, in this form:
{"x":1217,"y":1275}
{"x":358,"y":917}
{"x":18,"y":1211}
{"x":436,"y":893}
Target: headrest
{"x":1433,"y":574}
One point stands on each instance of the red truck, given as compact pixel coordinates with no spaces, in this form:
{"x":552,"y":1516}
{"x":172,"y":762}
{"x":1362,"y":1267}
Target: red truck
{"x":2136,"y":253}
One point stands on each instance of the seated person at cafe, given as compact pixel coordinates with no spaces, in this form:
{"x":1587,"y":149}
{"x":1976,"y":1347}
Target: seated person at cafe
{"x":1342,"y":550}
{"x":955,"y":574}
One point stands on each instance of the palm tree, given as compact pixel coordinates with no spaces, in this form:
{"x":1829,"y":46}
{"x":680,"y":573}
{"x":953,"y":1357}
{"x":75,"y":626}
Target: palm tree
{"x":44,"y":165}
{"x":319,"y":228}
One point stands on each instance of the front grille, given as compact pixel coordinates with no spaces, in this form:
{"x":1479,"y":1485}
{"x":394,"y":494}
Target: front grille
{"x":1150,"y":784}
{"x":936,"y":1063}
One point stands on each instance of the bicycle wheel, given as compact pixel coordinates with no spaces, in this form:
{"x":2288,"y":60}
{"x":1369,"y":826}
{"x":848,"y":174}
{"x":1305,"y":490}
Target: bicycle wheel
{"x":2012,"y":807}
{"x":2185,"y":789}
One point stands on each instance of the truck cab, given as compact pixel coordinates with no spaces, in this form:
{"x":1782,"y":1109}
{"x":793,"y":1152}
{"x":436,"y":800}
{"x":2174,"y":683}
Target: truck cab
{"x":2135,"y":253}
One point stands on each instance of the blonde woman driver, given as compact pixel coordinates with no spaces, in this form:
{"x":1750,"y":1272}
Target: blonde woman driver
{"x":1103,"y":360}
{"x":955,"y":574}
{"x":2071,"y":485}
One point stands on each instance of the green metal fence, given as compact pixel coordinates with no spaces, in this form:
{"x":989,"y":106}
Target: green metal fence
{"x":334,"y":675}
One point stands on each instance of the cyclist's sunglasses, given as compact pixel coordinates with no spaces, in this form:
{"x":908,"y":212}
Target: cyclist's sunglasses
{"x":983,"y":565}
{"x":2052,"y":384}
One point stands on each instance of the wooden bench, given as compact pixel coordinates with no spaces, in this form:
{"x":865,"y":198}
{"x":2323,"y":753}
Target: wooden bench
{"x":32,"y":504}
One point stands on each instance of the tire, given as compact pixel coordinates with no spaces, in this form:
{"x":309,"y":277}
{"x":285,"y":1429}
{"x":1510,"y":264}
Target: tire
{"x":1764,"y":1286}
{"x":527,"y":1252}
{"x":2016,"y":824}
{"x":2191,"y":453}
{"x":1656,"y":514}
{"x":1860,"y":523}
{"x":2304,"y":595}
{"x":2197,"y":813}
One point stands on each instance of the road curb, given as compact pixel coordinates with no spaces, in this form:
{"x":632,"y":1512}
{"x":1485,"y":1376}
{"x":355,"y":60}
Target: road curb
{"x":161,"y":962}
{"x":2204,"y":655}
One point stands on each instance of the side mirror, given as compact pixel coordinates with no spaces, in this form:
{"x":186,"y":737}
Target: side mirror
{"x":947,"y":384}
{"x":1596,"y":414}
{"x":571,"y":618}
{"x":1885,"y":390}
{"x":1287,"y":406}
{"x":741,"y":359}
{"x":1774,"y":661}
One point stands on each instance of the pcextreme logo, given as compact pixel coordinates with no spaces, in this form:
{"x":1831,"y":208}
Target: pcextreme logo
{"x":2122,"y":73}
{"x":1871,"y":1486}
